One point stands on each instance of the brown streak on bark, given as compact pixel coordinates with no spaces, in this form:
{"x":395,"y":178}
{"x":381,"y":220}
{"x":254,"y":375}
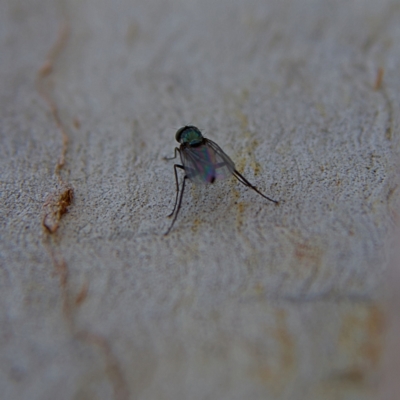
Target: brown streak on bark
{"x":113,"y":370}
{"x":55,"y":206}
{"x":379,"y":78}
{"x":44,"y":72}
{"x":80,"y":298}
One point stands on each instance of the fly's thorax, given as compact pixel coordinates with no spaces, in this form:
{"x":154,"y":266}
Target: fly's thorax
{"x":189,"y":136}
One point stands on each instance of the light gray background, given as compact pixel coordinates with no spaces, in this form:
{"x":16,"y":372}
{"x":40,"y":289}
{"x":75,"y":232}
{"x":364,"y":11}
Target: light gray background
{"x":244,"y":299}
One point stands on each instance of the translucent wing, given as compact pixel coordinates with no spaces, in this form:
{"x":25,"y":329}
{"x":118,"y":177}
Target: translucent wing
{"x":206,"y":163}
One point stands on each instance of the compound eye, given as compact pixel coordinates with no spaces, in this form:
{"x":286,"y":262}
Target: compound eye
{"x":178,"y":134}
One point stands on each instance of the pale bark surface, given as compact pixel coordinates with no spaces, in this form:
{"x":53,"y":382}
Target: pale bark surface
{"x":244,"y":299}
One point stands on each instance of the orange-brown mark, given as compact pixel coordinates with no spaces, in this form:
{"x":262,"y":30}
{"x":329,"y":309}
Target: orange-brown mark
{"x":113,"y":370}
{"x":62,"y":271}
{"x":240,"y":163}
{"x":55,"y":50}
{"x":81,"y":297}
{"x":305,"y":252}
{"x":285,"y":340}
{"x":77,"y":123}
{"x":352,"y":376}
{"x":379,"y":78}
{"x":241,"y":207}
{"x":250,"y":148}
{"x":55,"y":206}
{"x":395,"y":217}
{"x":44,"y":71}
{"x":244,"y":121}
{"x":256,"y":167}
{"x":375,"y":324}
{"x":196,"y":224}
{"x":361,"y":335}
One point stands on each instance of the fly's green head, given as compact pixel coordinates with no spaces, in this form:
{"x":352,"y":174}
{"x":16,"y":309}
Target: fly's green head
{"x":189,"y":136}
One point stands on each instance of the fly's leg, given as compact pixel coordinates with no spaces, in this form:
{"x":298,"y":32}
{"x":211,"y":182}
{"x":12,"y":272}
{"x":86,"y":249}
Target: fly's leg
{"x":245,"y":182}
{"x":173,"y":158}
{"x":177,"y":186}
{"x":180,"y":201}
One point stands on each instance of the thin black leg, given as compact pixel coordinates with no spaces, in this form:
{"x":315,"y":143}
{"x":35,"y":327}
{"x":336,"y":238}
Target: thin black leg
{"x":177,"y":185}
{"x":179,"y":204}
{"x":173,"y":158}
{"x":245,"y":182}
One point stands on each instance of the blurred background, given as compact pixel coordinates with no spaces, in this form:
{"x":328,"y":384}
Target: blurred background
{"x":243,"y":299}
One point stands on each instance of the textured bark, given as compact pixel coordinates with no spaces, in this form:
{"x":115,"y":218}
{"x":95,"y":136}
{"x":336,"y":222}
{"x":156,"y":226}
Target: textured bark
{"x":243,"y":299}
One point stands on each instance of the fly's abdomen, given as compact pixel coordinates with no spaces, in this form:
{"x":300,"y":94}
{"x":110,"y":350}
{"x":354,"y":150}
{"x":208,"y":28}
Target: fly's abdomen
{"x":203,"y":164}
{"x":210,"y":173}
{"x":200,"y":165}
{"x":201,"y":173}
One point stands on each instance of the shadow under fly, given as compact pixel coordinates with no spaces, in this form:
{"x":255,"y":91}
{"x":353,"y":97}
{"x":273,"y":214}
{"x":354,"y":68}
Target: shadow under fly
{"x":203,"y":162}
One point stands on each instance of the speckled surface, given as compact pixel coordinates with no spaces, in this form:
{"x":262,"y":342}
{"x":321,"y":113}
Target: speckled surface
{"x":243,"y":299}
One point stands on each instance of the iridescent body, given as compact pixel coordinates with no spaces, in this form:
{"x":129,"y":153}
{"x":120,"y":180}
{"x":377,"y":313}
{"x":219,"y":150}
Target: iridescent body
{"x":203,"y":162}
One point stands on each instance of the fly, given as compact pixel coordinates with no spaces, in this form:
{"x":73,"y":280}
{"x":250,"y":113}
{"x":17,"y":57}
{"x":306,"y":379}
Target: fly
{"x":203,"y":162}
